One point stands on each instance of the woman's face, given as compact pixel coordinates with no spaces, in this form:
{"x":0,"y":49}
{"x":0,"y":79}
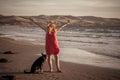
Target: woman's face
{"x":52,"y":25}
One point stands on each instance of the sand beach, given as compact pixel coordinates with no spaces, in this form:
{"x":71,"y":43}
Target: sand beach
{"x":25,"y":54}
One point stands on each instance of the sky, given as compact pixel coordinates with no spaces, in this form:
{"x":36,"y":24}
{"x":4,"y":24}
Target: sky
{"x":100,"y":8}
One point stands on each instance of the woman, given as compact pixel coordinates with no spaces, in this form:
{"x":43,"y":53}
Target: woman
{"x":52,"y":47}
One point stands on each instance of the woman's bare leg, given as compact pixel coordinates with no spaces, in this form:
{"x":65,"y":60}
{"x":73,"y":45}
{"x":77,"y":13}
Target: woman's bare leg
{"x":57,"y":62}
{"x":50,"y":62}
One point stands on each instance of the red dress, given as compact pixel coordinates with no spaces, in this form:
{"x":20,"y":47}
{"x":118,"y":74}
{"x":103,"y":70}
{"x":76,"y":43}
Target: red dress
{"x":52,"y":46}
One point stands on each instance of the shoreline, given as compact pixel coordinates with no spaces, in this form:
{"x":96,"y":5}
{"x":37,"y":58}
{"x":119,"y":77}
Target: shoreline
{"x":96,"y":42}
{"x":94,"y":50}
{"x":25,"y":55}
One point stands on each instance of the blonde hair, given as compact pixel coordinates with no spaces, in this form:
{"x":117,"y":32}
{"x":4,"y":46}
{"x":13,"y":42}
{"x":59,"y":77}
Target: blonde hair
{"x":52,"y":22}
{"x":49,"y":26}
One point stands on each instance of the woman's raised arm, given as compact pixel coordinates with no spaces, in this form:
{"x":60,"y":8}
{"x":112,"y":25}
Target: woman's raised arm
{"x":37,"y":23}
{"x":68,"y":22}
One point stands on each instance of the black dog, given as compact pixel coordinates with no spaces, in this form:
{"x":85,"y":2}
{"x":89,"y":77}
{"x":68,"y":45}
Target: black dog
{"x":37,"y":66}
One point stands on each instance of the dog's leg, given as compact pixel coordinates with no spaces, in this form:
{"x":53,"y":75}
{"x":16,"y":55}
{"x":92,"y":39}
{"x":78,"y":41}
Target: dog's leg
{"x":41,"y":68}
{"x":37,"y":71}
{"x":33,"y":69}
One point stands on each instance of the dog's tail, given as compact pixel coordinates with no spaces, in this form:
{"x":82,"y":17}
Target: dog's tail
{"x":26,"y":72}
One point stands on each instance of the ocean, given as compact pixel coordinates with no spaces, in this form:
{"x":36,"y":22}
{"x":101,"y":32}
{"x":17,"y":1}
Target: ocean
{"x":87,"y":45}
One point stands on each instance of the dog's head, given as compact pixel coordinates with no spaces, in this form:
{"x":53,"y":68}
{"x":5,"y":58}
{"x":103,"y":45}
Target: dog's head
{"x":44,"y":56}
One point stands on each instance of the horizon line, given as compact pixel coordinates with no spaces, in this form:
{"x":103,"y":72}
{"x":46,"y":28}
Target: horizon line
{"x":61,"y":15}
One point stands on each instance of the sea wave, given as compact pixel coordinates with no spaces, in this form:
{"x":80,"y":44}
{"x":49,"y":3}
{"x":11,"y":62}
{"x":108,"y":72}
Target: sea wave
{"x":97,"y":39}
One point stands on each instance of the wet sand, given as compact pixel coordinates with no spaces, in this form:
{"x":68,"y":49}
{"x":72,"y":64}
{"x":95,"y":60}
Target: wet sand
{"x":25,"y":54}
{"x":80,"y":56}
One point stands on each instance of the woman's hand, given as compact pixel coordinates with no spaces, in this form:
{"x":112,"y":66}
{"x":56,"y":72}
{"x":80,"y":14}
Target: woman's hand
{"x":68,"y":22}
{"x":37,"y":23}
{"x":33,"y":19}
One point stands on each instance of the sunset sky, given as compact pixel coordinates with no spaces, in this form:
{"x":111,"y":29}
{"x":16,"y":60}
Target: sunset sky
{"x":101,"y":8}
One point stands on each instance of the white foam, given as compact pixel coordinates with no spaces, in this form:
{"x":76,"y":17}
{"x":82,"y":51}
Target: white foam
{"x":84,"y":57}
